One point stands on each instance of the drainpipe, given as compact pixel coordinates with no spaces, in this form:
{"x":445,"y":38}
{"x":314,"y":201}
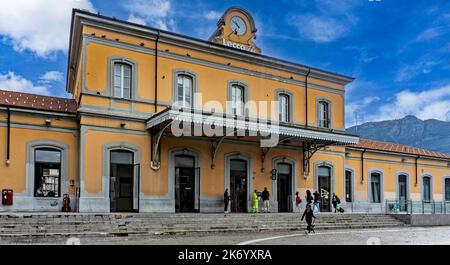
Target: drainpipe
{"x":306,"y":95}
{"x":362,"y":166}
{"x":8,"y":137}
{"x":417,"y":158}
{"x":156,"y":72}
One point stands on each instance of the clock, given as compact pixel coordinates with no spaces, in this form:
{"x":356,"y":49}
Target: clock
{"x":238,"y":25}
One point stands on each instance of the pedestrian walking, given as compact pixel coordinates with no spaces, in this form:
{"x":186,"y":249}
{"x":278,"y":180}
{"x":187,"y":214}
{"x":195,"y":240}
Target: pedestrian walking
{"x":309,"y":214}
{"x":266,"y":200}
{"x":226,"y":200}
{"x":255,"y":201}
{"x":316,"y":205}
{"x":298,"y":202}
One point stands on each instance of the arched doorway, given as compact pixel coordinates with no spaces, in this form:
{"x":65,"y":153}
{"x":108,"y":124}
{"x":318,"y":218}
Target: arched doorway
{"x":324,"y":185}
{"x":284,"y":187}
{"x":238,"y":185}
{"x":185,"y":183}
{"x":121,"y":188}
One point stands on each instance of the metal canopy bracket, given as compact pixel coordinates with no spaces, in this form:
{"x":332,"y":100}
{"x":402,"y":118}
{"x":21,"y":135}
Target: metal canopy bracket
{"x":214,"y":148}
{"x":216,"y":144}
{"x":265,"y":151}
{"x":308,"y":151}
{"x":156,"y":160}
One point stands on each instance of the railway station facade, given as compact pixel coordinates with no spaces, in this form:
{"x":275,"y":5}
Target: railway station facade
{"x":162,"y":122}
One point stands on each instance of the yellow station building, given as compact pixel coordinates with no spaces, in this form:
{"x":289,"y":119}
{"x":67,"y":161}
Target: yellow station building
{"x":162,"y":122}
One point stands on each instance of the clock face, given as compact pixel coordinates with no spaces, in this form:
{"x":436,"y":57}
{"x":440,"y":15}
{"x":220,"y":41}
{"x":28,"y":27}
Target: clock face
{"x":238,"y":25}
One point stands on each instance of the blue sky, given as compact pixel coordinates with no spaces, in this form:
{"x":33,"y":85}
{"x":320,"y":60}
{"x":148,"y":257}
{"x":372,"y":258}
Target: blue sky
{"x":398,"y":51}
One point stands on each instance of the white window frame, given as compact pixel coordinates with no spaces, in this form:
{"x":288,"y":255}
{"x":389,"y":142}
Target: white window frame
{"x":183,"y":103}
{"x":324,"y":110}
{"x":122,"y":80}
{"x":284,"y":107}
{"x":238,"y":105}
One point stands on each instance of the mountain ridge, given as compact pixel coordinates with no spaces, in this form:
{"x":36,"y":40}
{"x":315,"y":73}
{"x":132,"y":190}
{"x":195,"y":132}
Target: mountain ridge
{"x":430,"y":134}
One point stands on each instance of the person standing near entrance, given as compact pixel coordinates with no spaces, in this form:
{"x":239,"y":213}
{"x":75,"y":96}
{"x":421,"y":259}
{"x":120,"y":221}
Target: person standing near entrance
{"x":266,"y":202}
{"x":308,"y":197}
{"x":298,"y":202}
{"x":316,"y":206}
{"x":226,"y":200}
{"x":335,"y":201}
{"x":255,"y":201}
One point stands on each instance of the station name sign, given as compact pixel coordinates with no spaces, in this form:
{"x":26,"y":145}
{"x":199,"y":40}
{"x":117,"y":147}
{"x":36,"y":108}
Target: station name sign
{"x":238,"y":45}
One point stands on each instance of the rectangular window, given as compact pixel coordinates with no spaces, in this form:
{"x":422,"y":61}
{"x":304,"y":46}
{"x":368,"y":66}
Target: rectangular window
{"x":184,"y":91}
{"x":348,"y":186}
{"x":284,"y":108}
{"x":375,"y":186}
{"x":237,"y":100}
{"x":447,"y":189}
{"x":324,"y":114}
{"x":426,"y":189}
{"x":47,"y":172}
{"x":122,"y":80}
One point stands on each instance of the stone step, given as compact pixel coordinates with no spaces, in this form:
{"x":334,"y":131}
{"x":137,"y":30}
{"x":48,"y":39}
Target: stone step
{"x":43,"y":225}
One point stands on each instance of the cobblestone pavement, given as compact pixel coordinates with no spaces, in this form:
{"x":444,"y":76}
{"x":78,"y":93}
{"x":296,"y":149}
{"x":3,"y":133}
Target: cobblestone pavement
{"x":386,"y":236}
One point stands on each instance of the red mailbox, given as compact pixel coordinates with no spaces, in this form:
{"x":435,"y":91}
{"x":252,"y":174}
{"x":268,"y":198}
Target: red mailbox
{"x":7,"y":197}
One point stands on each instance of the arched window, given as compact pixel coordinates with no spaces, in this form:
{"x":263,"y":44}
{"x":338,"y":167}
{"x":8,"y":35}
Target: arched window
{"x":283,"y":102}
{"x":184,"y":91}
{"x":324,"y":114}
{"x":47,"y":176}
{"x":427,"y":188}
{"x":237,"y":99}
{"x":375,"y":186}
{"x":122,"y":80}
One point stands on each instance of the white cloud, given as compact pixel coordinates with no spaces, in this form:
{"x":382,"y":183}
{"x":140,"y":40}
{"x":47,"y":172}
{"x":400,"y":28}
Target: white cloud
{"x":152,"y":12}
{"x":52,"y":76}
{"x":13,"y":82}
{"x":320,"y":29}
{"x":212,"y":15}
{"x":136,"y":20}
{"x":429,"y":104}
{"x":40,"y":26}
{"x":356,"y":109}
{"x":409,"y":71}
{"x":429,"y":34}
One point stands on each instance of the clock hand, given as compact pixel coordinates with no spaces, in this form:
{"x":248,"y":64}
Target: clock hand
{"x":236,"y":24}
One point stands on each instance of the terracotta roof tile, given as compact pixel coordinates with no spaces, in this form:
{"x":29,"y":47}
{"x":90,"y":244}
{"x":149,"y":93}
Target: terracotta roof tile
{"x":38,"y":102}
{"x":391,"y":147}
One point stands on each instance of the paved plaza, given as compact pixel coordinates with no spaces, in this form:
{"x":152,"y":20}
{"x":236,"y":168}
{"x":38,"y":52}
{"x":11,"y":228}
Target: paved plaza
{"x":377,"y":236}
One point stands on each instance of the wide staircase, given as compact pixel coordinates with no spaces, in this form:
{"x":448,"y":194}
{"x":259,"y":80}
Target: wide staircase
{"x":122,"y":224}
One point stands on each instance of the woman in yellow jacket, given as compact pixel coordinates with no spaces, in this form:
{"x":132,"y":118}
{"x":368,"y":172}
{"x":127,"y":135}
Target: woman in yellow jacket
{"x":255,"y":201}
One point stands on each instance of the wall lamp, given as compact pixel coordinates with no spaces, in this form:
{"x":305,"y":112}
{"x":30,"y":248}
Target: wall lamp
{"x":274,"y":174}
{"x":122,"y":124}
{"x":48,"y":122}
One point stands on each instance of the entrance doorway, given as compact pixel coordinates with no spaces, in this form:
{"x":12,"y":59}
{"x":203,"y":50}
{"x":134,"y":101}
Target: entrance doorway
{"x":185,"y":172}
{"x":402,"y":192}
{"x":324,"y":178}
{"x":284,"y":187}
{"x":238,"y":185}
{"x":121,"y":181}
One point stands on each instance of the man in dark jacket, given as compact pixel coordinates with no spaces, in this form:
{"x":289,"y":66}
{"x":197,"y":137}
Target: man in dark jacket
{"x":265,"y":197}
{"x":309,"y":214}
